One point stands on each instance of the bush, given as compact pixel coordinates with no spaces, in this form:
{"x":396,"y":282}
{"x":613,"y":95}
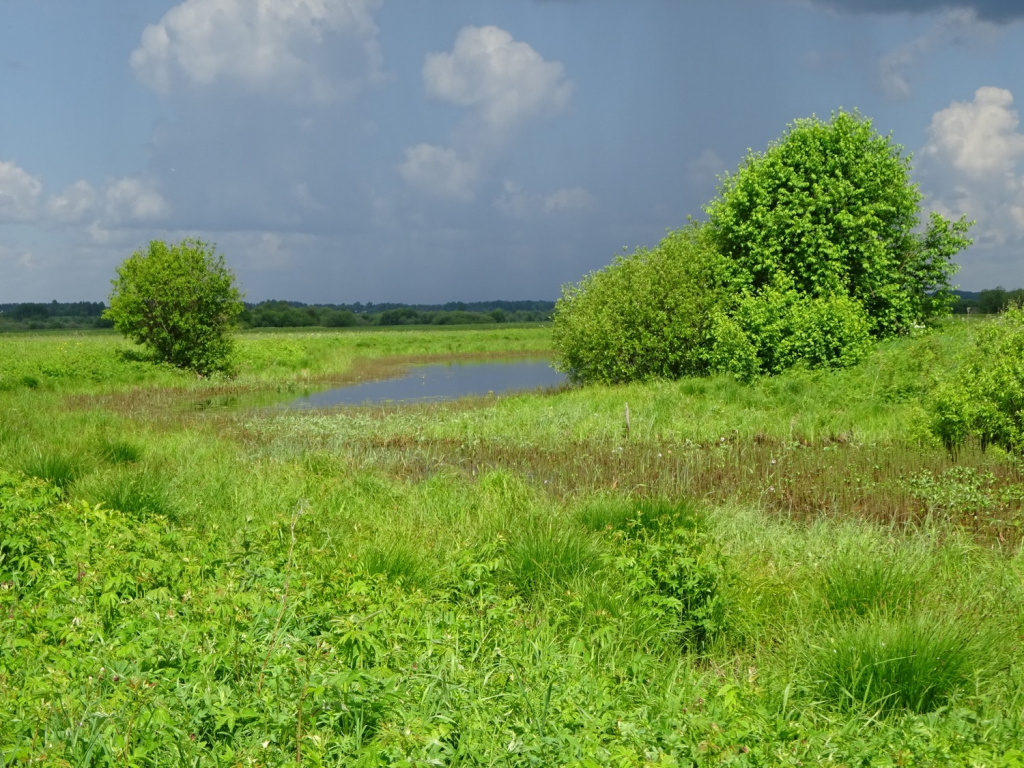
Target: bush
{"x":180,"y":301}
{"x":645,"y":316}
{"x":772,"y":331}
{"x":985,"y":400}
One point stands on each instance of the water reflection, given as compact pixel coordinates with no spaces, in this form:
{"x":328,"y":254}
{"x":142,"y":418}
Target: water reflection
{"x":441,"y":382}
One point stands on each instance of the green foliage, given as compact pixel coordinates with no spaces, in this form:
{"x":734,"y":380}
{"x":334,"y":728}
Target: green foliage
{"x":549,"y":556}
{"x":180,"y":301}
{"x":779,"y":327}
{"x":831,"y":207}
{"x":810,"y":250}
{"x":645,"y":316}
{"x":985,"y":401}
{"x":676,"y":574}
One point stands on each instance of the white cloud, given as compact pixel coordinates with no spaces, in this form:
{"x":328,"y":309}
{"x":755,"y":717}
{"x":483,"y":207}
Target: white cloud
{"x":970,"y":164}
{"x":316,"y":50}
{"x":516,"y":202}
{"x":74,"y":204}
{"x":505,"y":81}
{"x":133,"y":200}
{"x":19,"y":193}
{"x":440,"y":172}
{"x":978,"y":137}
{"x":955,"y":26}
{"x":504,"y":84}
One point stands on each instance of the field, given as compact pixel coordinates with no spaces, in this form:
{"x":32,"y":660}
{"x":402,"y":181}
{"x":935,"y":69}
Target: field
{"x":790,"y":572}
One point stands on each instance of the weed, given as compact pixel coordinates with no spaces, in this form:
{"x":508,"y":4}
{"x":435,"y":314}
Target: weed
{"x":397,"y":561}
{"x":121,"y":451}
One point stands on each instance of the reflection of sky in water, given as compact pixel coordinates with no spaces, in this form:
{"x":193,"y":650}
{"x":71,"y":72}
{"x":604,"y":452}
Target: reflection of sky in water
{"x":441,"y":382}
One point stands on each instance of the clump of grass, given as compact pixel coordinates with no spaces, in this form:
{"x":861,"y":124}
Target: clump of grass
{"x":121,"y":451}
{"x":398,"y":562}
{"x":61,"y":469}
{"x":890,"y":663}
{"x":648,"y":515}
{"x":548,"y":556}
{"x":866,"y":581}
{"x":138,"y":494}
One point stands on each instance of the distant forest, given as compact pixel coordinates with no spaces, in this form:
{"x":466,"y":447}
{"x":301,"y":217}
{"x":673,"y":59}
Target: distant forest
{"x":295,"y":314}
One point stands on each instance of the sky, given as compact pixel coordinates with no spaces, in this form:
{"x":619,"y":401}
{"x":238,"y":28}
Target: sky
{"x":426,"y":151}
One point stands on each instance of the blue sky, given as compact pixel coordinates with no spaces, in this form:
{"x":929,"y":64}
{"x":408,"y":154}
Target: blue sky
{"x":406,"y":150}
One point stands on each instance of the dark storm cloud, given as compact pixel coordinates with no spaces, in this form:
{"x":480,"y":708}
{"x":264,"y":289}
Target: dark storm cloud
{"x":998,"y":11}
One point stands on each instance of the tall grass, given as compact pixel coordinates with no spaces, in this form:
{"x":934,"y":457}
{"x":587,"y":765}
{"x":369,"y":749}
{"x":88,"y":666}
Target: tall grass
{"x":915,"y":662}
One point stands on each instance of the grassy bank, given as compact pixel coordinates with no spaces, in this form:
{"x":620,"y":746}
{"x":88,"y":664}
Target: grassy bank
{"x":790,"y":572}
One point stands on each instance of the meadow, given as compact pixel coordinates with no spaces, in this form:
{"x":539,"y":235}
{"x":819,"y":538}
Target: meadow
{"x":787,"y":572}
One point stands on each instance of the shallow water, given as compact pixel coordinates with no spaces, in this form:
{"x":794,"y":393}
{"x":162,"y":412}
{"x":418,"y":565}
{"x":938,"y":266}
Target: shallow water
{"x":449,"y":381}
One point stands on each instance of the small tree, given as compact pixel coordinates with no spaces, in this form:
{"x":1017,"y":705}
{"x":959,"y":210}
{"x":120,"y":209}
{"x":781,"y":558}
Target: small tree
{"x":180,"y":301}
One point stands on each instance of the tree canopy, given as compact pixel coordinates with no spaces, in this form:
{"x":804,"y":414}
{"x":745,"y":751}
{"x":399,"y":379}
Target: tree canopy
{"x":180,"y":301}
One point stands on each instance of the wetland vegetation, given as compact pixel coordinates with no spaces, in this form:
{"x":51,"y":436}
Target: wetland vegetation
{"x":788,"y":571}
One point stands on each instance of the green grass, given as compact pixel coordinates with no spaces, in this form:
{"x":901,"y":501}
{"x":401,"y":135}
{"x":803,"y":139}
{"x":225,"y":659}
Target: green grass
{"x":512,"y":581}
{"x":916,"y":662}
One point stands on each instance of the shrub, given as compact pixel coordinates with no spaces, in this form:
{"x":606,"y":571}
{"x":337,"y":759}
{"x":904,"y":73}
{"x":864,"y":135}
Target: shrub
{"x":180,"y":301}
{"x":645,"y":316}
{"x":985,"y":400}
{"x":771,"y":331}
{"x":811,"y":248}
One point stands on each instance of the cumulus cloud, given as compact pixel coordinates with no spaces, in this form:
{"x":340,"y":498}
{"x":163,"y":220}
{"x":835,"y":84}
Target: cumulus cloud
{"x":504,"y":84}
{"x":74,"y":204}
{"x":971,"y":161}
{"x":504,"y":80}
{"x":316,"y":50}
{"x":134,"y":200}
{"x":979,"y":138}
{"x":19,"y":193}
{"x":516,"y":202}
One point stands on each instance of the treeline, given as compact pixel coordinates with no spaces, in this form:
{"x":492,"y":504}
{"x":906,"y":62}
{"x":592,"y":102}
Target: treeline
{"x":987,"y":302}
{"x":295,"y":314}
{"x":39,"y":315}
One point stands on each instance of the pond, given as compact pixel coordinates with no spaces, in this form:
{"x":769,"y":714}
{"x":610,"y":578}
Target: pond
{"x":449,"y":381}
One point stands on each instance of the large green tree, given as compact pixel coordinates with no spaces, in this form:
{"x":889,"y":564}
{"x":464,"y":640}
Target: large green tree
{"x":831,"y":207}
{"x":811,"y":249}
{"x":180,"y":300}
